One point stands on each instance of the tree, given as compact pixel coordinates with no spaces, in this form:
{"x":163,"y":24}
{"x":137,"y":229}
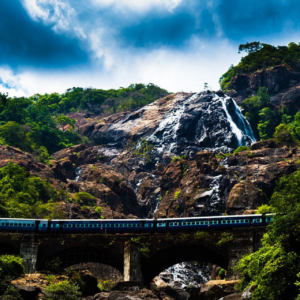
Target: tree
{"x":284,"y":135}
{"x":11,"y":267}
{"x":273,"y":269}
{"x":267,"y":122}
{"x":250,"y":47}
{"x":63,"y":121}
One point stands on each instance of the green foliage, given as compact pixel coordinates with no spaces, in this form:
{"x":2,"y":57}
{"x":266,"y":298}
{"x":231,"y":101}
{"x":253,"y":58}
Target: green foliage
{"x":265,"y":209}
{"x":178,"y":158}
{"x":262,"y":56}
{"x":175,"y":158}
{"x":53,"y":265}
{"x":284,"y":135}
{"x":39,"y":121}
{"x":240,"y":149}
{"x":273,"y":268}
{"x":26,"y":196}
{"x":98,"y":210}
{"x":28,"y":125}
{"x":226,"y":238}
{"x":176,"y":194}
{"x":222,"y":274}
{"x":12,"y":293}
{"x":83,"y":197}
{"x":11,"y":267}
{"x":105,"y":285}
{"x":64,"y":290}
{"x":222,"y":155}
{"x":144,"y":149}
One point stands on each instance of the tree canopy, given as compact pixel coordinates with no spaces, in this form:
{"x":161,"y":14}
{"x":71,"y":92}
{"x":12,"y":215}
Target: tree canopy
{"x":274,"y":269}
{"x":261,"y":56}
{"x":39,"y":124}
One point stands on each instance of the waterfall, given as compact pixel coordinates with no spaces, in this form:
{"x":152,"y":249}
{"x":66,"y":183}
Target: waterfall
{"x":241,"y":127}
{"x":245,"y":124}
{"x":168,"y":127}
{"x":238,"y":133}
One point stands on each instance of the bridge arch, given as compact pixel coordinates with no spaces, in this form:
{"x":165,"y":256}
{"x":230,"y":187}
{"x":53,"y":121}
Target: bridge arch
{"x":72,"y":256}
{"x":168,"y":257}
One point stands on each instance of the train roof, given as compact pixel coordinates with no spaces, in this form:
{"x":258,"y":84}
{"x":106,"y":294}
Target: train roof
{"x":213,"y":217}
{"x":21,"y":219}
{"x":138,"y":220}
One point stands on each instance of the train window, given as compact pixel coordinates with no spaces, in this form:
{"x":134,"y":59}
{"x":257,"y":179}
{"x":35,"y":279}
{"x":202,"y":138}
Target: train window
{"x":138,"y":225}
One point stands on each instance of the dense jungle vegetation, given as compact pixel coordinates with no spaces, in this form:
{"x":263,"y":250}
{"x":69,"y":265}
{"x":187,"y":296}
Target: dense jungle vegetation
{"x":39,"y":124}
{"x":262,"y":56}
{"x":269,"y":121}
{"x":274,"y":270}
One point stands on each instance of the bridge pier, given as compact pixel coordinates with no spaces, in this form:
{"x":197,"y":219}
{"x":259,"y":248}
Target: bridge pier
{"x":132,"y":262}
{"x":245,"y":241}
{"x":29,"y":252}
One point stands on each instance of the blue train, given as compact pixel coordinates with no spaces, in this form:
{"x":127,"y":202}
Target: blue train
{"x":133,"y":225}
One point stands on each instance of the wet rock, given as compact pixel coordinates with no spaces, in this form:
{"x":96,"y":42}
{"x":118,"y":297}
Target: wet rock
{"x":235,"y":296}
{"x":28,"y":292}
{"x":90,"y":283}
{"x":179,"y":123}
{"x":118,"y":295}
{"x":217,"y":289}
{"x":174,"y":293}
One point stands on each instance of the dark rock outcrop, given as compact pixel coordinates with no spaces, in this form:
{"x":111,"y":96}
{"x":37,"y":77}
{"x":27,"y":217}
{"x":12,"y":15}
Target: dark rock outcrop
{"x":283,"y":85}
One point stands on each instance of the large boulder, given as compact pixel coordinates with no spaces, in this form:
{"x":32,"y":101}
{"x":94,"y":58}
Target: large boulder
{"x":244,"y":195}
{"x":216,"y":289}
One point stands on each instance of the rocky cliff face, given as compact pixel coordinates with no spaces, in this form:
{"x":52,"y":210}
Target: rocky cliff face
{"x":161,"y":160}
{"x":178,"y":124}
{"x":283,"y":85}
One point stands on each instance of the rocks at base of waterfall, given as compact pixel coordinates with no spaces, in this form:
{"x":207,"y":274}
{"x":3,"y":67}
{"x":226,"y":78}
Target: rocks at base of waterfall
{"x":235,"y":296}
{"x":217,"y":289}
{"x":183,"y":275}
{"x":120,"y":295}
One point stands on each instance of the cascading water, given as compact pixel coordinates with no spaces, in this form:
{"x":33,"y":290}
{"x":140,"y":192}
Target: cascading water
{"x":234,"y":128}
{"x":169,"y":126}
{"x":246,"y":127}
{"x":241,"y":127}
{"x":198,"y":122}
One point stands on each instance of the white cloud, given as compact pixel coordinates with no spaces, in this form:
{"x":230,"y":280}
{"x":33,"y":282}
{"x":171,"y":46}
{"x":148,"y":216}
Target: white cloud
{"x":138,"y":5}
{"x":170,"y":69}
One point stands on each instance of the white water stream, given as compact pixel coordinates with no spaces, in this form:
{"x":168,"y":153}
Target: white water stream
{"x":246,"y":128}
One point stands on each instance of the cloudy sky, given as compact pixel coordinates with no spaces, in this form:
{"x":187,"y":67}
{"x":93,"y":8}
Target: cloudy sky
{"x":51,"y":45}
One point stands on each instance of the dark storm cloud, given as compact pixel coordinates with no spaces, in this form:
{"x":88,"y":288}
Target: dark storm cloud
{"x":24,"y":42}
{"x":242,"y":19}
{"x":236,"y":20}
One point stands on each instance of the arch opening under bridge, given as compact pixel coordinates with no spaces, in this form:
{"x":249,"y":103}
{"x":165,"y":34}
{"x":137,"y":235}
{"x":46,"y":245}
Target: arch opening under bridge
{"x":75,"y":256}
{"x":168,"y":257}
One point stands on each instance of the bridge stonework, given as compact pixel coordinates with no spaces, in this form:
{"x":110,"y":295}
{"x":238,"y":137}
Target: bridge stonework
{"x":139,"y":257}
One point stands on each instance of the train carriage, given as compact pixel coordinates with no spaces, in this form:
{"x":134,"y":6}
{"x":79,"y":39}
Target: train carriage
{"x":134,"y":225}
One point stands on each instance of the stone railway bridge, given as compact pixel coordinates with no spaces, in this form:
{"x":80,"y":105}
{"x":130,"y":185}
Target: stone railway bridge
{"x":139,"y":257}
